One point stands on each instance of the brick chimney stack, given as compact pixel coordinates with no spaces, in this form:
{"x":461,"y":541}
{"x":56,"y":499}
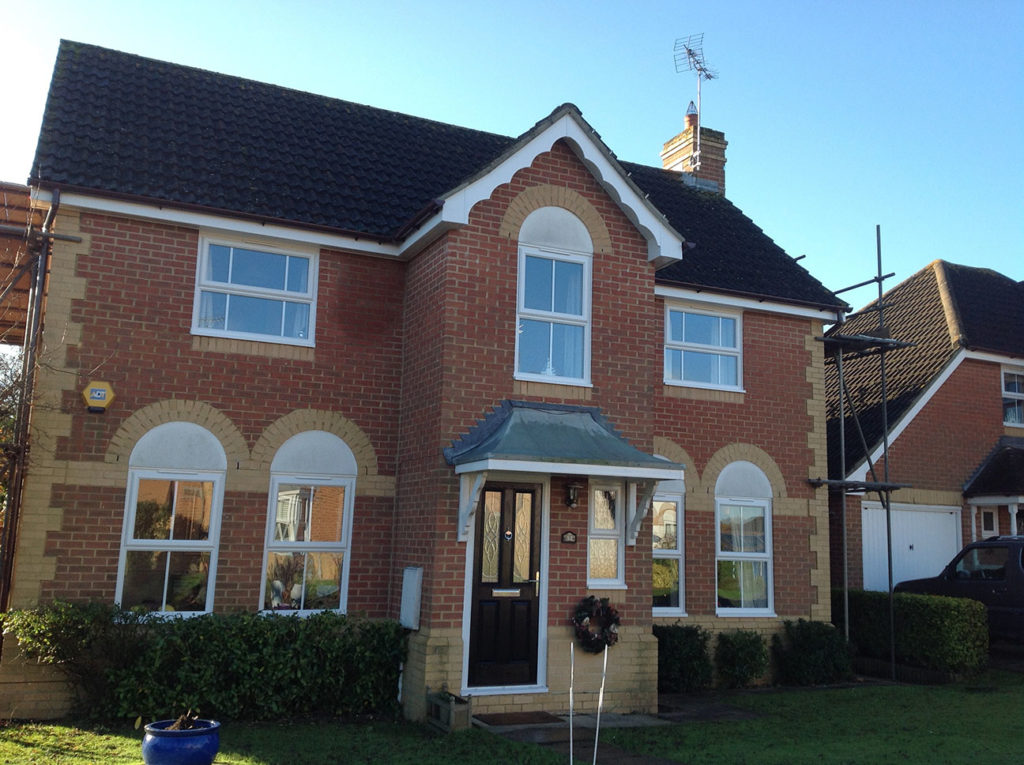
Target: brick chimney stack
{"x":679,"y":153}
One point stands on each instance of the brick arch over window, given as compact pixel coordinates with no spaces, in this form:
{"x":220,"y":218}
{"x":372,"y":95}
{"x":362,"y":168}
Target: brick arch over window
{"x":176,"y":410}
{"x":278,"y":432}
{"x":745,"y":453}
{"x":548,"y":195}
{"x":670,"y":450}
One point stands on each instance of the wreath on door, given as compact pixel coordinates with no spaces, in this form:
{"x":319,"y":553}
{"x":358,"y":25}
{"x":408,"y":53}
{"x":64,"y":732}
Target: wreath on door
{"x":596,"y":623}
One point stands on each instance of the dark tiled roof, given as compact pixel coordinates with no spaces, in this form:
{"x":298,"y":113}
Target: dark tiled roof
{"x":730,"y":253}
{"x":128,"y":126}
{"x":1001,"y":474}
{"x":941,"y":309}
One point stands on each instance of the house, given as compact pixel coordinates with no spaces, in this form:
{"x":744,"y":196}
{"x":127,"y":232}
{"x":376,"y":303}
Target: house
{"x":956,"y":423}
{"x":367,"y":361}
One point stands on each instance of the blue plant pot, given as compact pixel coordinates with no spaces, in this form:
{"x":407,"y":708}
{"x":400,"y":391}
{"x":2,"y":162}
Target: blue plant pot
{"x":196,"y":746}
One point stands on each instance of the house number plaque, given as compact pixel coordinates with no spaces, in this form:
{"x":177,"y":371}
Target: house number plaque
{"x":568,"y":537}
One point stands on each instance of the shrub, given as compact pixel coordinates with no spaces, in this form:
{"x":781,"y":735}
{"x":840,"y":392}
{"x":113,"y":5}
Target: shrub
{"x":684,"y":662}
{"x":238,"y":666}
{"x":932,"y":631}
{"x":810,"y":653}
{"x":740,"y":658}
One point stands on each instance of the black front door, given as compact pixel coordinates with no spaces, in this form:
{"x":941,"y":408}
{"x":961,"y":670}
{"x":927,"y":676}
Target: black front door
{"x":506,"y":587}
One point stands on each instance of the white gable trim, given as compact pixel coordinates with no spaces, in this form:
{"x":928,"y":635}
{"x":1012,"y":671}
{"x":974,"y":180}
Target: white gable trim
{"x":663,"y":242}
{"x":860,"y":472}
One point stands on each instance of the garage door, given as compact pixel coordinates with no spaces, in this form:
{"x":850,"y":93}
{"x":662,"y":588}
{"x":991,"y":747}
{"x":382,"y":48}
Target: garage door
{"x":924,"y":539}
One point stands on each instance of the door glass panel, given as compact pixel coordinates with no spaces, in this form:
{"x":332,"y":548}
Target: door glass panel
{"x":491,"y":533}
{"x":604,"y":559}
{"x":521,"y":557}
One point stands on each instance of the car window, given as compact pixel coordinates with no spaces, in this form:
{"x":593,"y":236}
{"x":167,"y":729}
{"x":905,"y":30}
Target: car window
{"x":983,"y":563}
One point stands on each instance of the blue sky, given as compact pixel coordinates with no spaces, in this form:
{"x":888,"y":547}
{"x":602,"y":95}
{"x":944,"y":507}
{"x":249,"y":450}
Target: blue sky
{"x":908,"y":114}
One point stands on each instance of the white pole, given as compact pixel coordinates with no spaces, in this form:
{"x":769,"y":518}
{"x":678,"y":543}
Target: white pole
{"x":572,"y":676}
{"x":600,"y":703}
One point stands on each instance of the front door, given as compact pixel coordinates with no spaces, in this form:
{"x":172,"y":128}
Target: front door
{"x":506,"y":587}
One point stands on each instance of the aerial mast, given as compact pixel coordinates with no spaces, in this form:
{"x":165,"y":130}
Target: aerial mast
{"x":689,"y":57}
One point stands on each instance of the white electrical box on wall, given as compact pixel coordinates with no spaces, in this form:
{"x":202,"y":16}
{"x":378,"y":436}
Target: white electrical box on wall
{"x":412,"y":587}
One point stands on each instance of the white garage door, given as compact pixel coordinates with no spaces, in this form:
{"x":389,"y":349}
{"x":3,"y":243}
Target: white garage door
{"x":924,"y":539}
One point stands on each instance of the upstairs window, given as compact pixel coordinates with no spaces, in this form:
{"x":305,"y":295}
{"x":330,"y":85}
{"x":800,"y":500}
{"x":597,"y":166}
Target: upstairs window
{"x":553,"y":301}
{"x":1013,"y":397}
{"x":255,"y":294}
{"x":702,"y":349}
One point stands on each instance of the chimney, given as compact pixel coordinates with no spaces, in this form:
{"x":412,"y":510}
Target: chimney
{"x":681,"y":153}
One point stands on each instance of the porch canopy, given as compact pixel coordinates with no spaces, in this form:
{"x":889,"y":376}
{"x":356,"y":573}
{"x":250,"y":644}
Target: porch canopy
{"x":559,"y":439}
{"x":999,"y":480}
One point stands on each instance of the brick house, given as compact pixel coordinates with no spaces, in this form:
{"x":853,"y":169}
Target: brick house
{"x":359,"y":357}
{"x":956,"y":423}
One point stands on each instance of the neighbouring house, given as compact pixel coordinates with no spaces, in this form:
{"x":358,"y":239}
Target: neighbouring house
{"x":956,"y":423}
{"x":359,"y":360}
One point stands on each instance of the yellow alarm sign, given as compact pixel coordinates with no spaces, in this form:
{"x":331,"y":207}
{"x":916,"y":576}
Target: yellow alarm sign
{"x":98,"y":395}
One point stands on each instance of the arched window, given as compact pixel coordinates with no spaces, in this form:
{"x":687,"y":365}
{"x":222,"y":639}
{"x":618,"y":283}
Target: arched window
{"x":553,"y":304}
{"x":743,"y":512}
{"x":172,"y":516}
{"x":309,"y":524}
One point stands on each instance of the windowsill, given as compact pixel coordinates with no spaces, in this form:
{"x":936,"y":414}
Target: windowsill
{"x":745,"y":613}
{"x":721,"y":395}
{"x":502,"y":690}
{"x":551,"y":390}
{"x":668,"y":613}
{"x":604,"y":585}
{"x":567,"y":381}
{"x":207,"y":343}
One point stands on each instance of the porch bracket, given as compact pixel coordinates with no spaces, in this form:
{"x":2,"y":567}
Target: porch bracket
{"x":643,"y":494}
{"x":470,"y":486}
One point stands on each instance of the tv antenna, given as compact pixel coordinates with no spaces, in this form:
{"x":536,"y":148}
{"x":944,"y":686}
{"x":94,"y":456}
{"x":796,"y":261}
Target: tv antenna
{"x":689,"y":57}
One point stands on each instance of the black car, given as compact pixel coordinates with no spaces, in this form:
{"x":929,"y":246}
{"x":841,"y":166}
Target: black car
{"x":991,"y":571}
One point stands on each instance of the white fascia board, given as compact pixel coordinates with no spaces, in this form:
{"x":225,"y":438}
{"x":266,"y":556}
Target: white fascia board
{"x":1008,"y":361}
{"x":732,"y":301}
{"x":570,"y":468}
{"x":860,"y":472}
{"x":992,"y":499}
{"x":233,"y":226}
{"x":662,"y":240}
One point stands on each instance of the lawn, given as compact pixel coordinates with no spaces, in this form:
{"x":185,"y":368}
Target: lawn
{"x":976,"y":721}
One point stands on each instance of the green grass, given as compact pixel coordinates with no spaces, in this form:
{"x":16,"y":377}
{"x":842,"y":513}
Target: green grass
{"x":976,"y":721}
{"x":971,"y":722}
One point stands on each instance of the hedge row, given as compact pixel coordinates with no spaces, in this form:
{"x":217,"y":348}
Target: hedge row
{"x":239,"y":666}
{"x":932,"y":631}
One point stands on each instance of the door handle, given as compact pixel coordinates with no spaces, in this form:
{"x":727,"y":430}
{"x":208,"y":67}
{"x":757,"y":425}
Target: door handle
{"x":536,"y":584}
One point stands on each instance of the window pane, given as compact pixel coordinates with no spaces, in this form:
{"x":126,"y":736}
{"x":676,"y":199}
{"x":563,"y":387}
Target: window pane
{"x":292,"y":513}
{"x":192,"y":510}
{"x":673,"y":364}
{"x":323,"y":580}
{"x":665,"y":530}
{"x":742,"y":584}
{"x":534,"y":346}
{"x":700,"y":367}
{"x":218,"y":266}
{"x":727,"y":370}
{"x":675,"y":325}
{"x":567,"y":350}
{"x":741,"y":528}
{"x":154,"y":508}
{"x":569,"y":288}
{"x":1013,"y":411}
{"x":187,"y":581}
{"x":328,"y":513}
{"x":605,"y":511}
{"x":298,"y":274}
{"x":537,"y":289}
{"x":666,"y":583}
{"x":258,"y":269}
{"x":213,"y":310}
{"x":1013,"y":382}
{"x":144,"y":574}
{"x":296,"y":320}
{"x":728,"y":330}
{"x":255,"y":315}
{"x":702,"y":329}
{"x":284,"y":580}
{"x":604,"y":559}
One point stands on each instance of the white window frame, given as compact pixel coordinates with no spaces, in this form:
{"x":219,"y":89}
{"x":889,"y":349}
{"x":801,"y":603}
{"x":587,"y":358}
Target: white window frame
{"x":681,"y":346}
{"x":617,"y":534}
{"x":209,"y":545}
{"x":307,"y":298}
{"x":757,"y":557}
{"x":343,"y":546}
{"x":678,"y":554}
{"x":552,"y":317}
{"x":1012,"y":396}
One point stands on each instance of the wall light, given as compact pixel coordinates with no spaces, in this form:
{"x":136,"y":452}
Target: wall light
{"x":572,"y":493}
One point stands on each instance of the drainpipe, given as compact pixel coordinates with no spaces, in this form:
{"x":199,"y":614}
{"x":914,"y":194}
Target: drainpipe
{"x":18,"y":459}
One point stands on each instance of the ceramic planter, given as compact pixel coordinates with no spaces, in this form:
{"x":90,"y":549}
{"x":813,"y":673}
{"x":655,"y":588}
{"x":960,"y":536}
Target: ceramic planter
{"x":193,"y":746}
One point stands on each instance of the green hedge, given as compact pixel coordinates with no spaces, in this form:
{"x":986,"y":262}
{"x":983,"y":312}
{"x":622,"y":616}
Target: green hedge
{"x":684,"y":663}
{"x":741,"y":657}
{"x":932,"y":631}
{"x":239,"y":666}
{"x":811,"y":653}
